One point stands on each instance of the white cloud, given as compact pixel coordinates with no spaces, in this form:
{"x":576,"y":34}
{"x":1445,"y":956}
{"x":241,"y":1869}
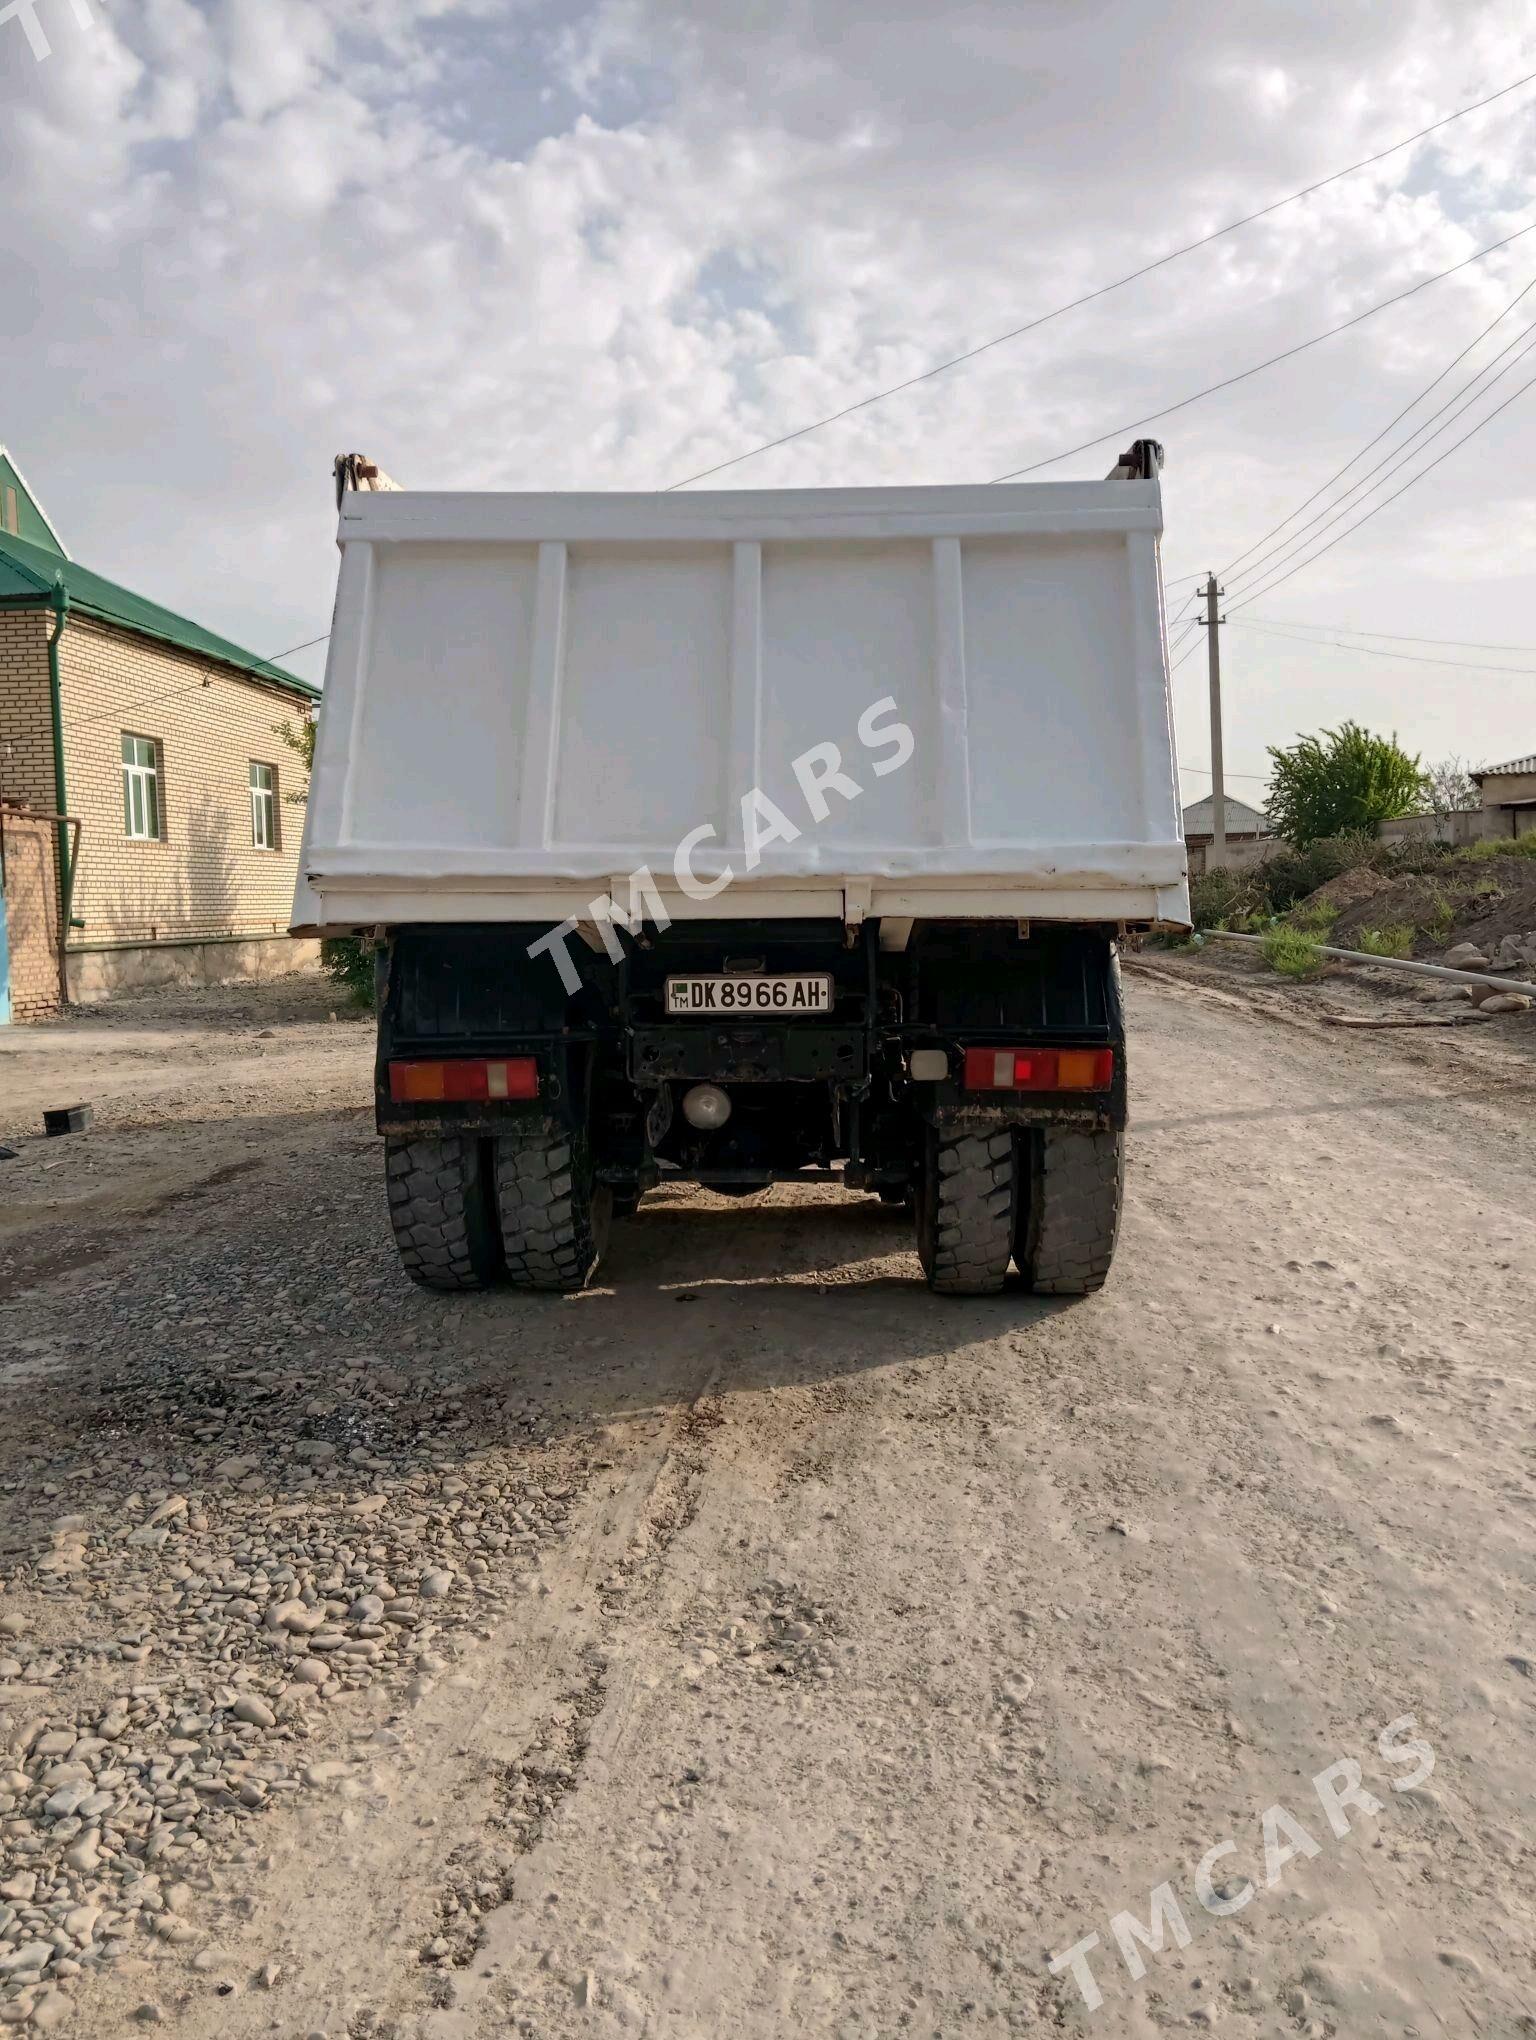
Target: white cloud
{"x":602,"y":246}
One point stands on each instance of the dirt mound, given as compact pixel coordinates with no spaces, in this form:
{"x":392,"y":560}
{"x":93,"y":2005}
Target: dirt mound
{"x":1349,"y":889}
{"x":1473,"y":902}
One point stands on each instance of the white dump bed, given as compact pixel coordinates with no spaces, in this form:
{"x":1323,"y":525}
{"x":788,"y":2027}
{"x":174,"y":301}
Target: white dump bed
{"x":530,"y":696}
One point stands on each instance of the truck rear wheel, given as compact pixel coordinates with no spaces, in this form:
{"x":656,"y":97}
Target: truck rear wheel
{"x":1071,"y":1215}
{"x":554,"y":1213}
{"x":440,"y":1208}
{"x":965,"y":1213}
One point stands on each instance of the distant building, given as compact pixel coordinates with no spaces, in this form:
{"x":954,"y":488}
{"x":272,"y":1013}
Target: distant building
{"x":1509,"y":796}
{"x":1247,"y":831}
{"x":158,"y":738}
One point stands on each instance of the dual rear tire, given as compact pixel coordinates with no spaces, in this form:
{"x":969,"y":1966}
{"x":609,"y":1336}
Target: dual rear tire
{"x":1046,"y":1199}
{"x":469,"y":1210}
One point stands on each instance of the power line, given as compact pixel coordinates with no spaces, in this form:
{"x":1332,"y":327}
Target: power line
{"x":149,"y":701}
{"x":324,"y":635}
{"x":1103,"y":290}
{"x":1394,"y":461}
{"x":1375,"y":652}
{"x":1205,"y":772}
{"x":1211,"y":389}
{"x":1487,"y":419}
{"x":195,"y":686}
{"x":1183,"y":656}
{"x":1402,"y":414}
{"x":1396,"y":637}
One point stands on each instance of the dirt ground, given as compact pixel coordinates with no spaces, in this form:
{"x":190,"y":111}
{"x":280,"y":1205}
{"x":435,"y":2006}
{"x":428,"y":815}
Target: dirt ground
{"x":757,"y":1644}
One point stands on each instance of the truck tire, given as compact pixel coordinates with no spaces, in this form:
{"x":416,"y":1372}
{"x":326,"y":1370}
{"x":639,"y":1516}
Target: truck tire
{"x":554,"y":1214}
{"x":1070,"y":1218}
{"x":965,"y":1213}
{"x":440,"y":1208}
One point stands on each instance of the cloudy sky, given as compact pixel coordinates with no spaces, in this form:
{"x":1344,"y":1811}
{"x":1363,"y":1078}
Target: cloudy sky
{"x":510,"y":244}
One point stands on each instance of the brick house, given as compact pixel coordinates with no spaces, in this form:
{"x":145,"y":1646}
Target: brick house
{"x":1509,"y":796}
{"x":158,"y":740}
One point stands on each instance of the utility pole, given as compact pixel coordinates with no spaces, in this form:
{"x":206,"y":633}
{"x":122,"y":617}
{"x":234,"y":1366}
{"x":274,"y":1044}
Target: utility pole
{"x":1211,"y":623}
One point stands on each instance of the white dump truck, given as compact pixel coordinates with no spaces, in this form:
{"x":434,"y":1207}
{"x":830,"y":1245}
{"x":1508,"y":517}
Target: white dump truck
{"x":750,"y":837}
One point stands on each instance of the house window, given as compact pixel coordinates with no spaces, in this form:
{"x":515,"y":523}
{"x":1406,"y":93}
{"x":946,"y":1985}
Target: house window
{"x":263,"y":807}
{"x":141,"y":787}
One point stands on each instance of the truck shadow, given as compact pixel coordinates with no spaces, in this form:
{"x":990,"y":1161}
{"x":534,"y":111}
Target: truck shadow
{"x":801,"y":1288}
{"x":797,"y":1289}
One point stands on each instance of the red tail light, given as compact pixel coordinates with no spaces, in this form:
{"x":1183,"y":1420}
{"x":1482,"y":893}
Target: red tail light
{"x":1039,"y":1069}
{"x":469,"y":1081}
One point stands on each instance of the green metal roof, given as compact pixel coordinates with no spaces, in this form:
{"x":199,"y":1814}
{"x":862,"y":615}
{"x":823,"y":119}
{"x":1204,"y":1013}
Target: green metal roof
{"x":27,"y":576}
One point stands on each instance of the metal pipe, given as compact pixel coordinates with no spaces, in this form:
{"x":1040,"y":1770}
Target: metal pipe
{"x":61,"y":784}
{"x":1434,"y":970}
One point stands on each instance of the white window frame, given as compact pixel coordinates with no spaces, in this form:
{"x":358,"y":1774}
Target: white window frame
{"x":141,"y":789}
{"x":263,"y":806}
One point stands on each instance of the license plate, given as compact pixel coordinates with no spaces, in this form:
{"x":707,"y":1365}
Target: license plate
{"x":781,"y":996}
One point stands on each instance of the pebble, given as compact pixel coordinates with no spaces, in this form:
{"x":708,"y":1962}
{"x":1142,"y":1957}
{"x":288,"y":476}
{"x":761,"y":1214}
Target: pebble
{"x":296,"y":1617}
{"x":235,"y":1571}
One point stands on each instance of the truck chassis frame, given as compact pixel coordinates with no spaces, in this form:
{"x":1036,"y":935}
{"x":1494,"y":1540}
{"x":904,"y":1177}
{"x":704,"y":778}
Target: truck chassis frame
{"x":523,"y":1188}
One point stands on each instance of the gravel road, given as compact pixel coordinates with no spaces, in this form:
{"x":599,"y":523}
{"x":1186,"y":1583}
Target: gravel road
{"x":756,"y":1644}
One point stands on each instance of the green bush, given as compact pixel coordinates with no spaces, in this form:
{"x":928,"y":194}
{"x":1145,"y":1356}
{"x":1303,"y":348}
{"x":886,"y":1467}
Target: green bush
{"x":1290,"y":874}
{"x":1441,"y":918}
{"x":1314,"y":917}
{"x":347,"y":961}
{"x":1497,"y":846}
{"x":1216,"y":896}
{"x":1291,"y":953}
{"x":1394,"y":941}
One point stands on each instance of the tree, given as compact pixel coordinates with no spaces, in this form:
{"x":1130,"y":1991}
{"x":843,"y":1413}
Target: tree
{"x":1450,"y":790}
{"x":1343,"y":782}
{"x":300,"y":740}
{"x":346,"y":959}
